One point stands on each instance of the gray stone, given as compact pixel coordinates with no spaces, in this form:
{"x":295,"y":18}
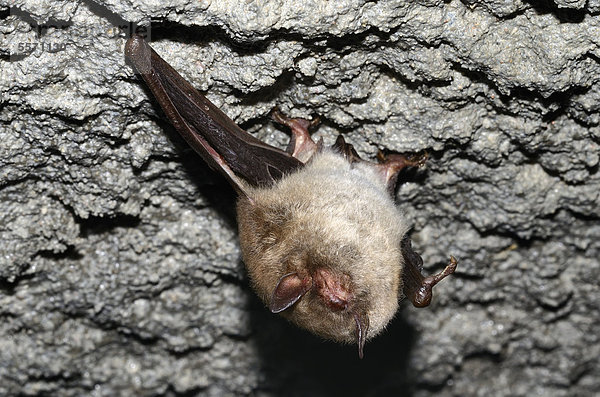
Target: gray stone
{"x":120,"y":271}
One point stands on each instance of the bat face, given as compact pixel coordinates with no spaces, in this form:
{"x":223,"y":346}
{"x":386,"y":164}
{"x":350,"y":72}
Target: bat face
{"x":333,"y":228}
{"x":321,"y":237}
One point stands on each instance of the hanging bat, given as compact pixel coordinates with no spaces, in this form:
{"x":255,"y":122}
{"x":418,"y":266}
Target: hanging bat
{"x":322,"y":239}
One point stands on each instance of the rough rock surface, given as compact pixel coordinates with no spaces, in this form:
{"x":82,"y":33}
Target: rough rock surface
{"x":120,"y":272}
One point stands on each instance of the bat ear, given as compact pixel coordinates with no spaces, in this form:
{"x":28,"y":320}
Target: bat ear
{"x":288,"y":291}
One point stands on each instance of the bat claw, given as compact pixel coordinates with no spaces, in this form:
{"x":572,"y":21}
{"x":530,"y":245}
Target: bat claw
{"x":417,"y":288}
{"x":362,"y":327}
{"x":391,"y":165}
{"x":424,"y":294}
{"x":346,"y":149}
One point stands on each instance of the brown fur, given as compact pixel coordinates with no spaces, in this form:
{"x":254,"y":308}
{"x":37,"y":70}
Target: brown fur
{"x":329,"y":215}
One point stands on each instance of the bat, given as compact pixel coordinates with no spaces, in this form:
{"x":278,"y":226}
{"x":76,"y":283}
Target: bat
{"x":321,"y":237}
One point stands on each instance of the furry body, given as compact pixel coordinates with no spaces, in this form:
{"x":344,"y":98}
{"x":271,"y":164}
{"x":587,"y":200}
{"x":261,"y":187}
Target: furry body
{"x":329,"y":215}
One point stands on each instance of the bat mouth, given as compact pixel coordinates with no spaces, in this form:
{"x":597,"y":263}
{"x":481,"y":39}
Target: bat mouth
{"x":333,"y":289}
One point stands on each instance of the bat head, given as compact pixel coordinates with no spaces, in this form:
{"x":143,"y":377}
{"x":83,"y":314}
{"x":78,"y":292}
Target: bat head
{"x":322,"y":247}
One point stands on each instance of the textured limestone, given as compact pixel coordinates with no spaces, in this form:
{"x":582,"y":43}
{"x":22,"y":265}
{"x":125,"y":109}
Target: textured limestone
{"x":119,"y":265}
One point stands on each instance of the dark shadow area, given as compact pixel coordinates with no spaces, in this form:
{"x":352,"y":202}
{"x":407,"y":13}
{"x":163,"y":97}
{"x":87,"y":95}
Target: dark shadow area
{"x":69,"y":253}
{"x":269,"y":93}
{"x":541,"y":7}
{"x":565,"y":15}
{"x":202,"y":35}
{"x":8,"y":287}
{"x":252,"y":45}
{"x":411,"y":174}
{"x":105,"y":13}
{"x":99,"y":225}
{"x":296,"y":363}
{"x":554,"y":105}
{"x":171,"y":391}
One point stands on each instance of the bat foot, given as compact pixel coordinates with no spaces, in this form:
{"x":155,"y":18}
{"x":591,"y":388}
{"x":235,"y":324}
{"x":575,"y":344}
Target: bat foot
{"x":301,"y":144}
{"x":346,"y":149}
{"x":424,"y":294}
{"x":417,"y":288}
{"x":390,"y":165}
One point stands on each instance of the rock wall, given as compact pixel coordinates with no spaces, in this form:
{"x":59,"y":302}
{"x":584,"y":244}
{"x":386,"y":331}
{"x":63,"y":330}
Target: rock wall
{"x":120,"y":271}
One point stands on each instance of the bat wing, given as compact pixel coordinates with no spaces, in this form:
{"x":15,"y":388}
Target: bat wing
{"x":214,"y":136}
